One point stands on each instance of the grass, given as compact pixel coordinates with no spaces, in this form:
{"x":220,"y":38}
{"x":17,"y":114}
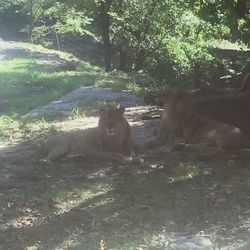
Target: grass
{"x":24,"y":86}
{"x":26,"y":83}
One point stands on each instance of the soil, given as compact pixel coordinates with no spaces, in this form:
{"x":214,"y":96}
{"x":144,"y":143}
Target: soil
{"x":180,"y":193}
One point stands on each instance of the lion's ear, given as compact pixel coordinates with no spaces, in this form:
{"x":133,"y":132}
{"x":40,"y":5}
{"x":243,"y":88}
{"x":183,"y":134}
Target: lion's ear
{"x":121,"y":109}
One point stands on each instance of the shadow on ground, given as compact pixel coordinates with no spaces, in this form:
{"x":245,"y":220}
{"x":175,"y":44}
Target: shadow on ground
{"x":75,"y":203}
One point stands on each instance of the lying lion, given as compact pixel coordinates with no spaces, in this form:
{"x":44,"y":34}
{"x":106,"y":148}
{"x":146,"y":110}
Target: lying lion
{"x":195,"y":131}
{"x":110,"y":140}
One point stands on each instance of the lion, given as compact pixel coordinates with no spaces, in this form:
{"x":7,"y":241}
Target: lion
{"x":194,"y":131}
{"x":169,"y":127}
{"x":110,"y":140}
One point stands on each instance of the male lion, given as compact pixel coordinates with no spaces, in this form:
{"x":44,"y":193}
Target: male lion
{"x":195,"y":131}
{"x":110,"y":140}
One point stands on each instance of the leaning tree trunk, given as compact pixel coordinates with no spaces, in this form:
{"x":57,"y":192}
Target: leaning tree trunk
{"x":231,"y":107}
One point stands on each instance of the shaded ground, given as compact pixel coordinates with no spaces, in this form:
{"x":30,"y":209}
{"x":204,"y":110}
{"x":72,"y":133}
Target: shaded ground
{"x":76,"y":203}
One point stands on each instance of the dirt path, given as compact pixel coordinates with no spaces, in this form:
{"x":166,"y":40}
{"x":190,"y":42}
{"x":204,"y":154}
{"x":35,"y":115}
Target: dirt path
{"x":10,"y":50}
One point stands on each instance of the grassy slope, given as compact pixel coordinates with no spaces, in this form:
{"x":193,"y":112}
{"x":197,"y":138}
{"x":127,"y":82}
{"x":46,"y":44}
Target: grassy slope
{"x":27,"y":83}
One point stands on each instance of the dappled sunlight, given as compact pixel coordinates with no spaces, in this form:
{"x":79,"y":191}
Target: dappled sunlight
{"x":17,"y":65}
{"x":9,"y":148}
{"x":71,"y":240}
{"x":24,"y":221}
{"x":83,"y":123}
{"x":66,"y":201}
{"x":185,"y":171}
{"x":136,"y":207}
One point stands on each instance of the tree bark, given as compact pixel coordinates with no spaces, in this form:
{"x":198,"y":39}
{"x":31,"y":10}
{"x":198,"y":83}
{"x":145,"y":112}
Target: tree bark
{"x":104,"y":21}
{"x":140,"y":58}
{"x":238,"y":11}
{"x":123,"y":58}
{"x":31,"y":24}
{"x":232,"y":107}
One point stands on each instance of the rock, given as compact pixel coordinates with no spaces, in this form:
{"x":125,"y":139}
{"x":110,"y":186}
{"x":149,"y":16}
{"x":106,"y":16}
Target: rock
{"x":189,"y":243}
{"x":80,"y":97}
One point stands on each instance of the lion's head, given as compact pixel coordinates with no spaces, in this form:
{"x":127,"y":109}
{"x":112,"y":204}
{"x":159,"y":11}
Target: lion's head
{"x":112,"y":120}
{"x":175,"y":100}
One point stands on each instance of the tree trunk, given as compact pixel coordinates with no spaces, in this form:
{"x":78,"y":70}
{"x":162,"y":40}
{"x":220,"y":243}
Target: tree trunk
{"x":104,"y":21}
{"x":238,"y":11}
{"x":31,"y":24}
{"x":241,"y":8}
{"x":123,"y":58}
{"x":140,"y":58}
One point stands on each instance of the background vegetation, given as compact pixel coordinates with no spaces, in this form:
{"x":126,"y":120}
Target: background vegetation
{"x":173,"y":41}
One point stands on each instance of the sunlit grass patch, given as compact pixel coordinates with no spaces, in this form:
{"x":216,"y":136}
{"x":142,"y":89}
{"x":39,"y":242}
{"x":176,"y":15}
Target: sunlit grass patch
{"x":66,"y":200}
{"x":16,"y":65}
{"x":8,"y":126}
{"x":15,"y":129}
{"x":24,"y":87}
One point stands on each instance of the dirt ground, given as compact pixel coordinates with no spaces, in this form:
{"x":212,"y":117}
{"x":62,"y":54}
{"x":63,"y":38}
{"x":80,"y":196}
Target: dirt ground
{"x":77,"y":202}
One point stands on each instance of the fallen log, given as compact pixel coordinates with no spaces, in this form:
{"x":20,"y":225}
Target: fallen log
{"x":208,"y":90}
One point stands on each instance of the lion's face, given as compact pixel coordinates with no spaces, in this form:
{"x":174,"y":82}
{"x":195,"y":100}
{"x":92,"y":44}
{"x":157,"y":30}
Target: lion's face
{"x":175,"y":100}
{"x":111,"y":120}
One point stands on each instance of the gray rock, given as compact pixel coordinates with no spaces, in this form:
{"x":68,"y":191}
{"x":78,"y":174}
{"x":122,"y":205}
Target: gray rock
{"x":80,"y":97}
{"x":189,"y":243}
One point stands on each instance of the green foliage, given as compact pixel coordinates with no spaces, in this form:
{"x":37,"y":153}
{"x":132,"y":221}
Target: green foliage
{"x":168,"y":39}
{"x":48,"y":16}
{"x":76,"y":113}
{"x":9,"y":122}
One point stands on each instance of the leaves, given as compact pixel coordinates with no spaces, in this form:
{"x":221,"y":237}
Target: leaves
{"x":160,"y":37}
